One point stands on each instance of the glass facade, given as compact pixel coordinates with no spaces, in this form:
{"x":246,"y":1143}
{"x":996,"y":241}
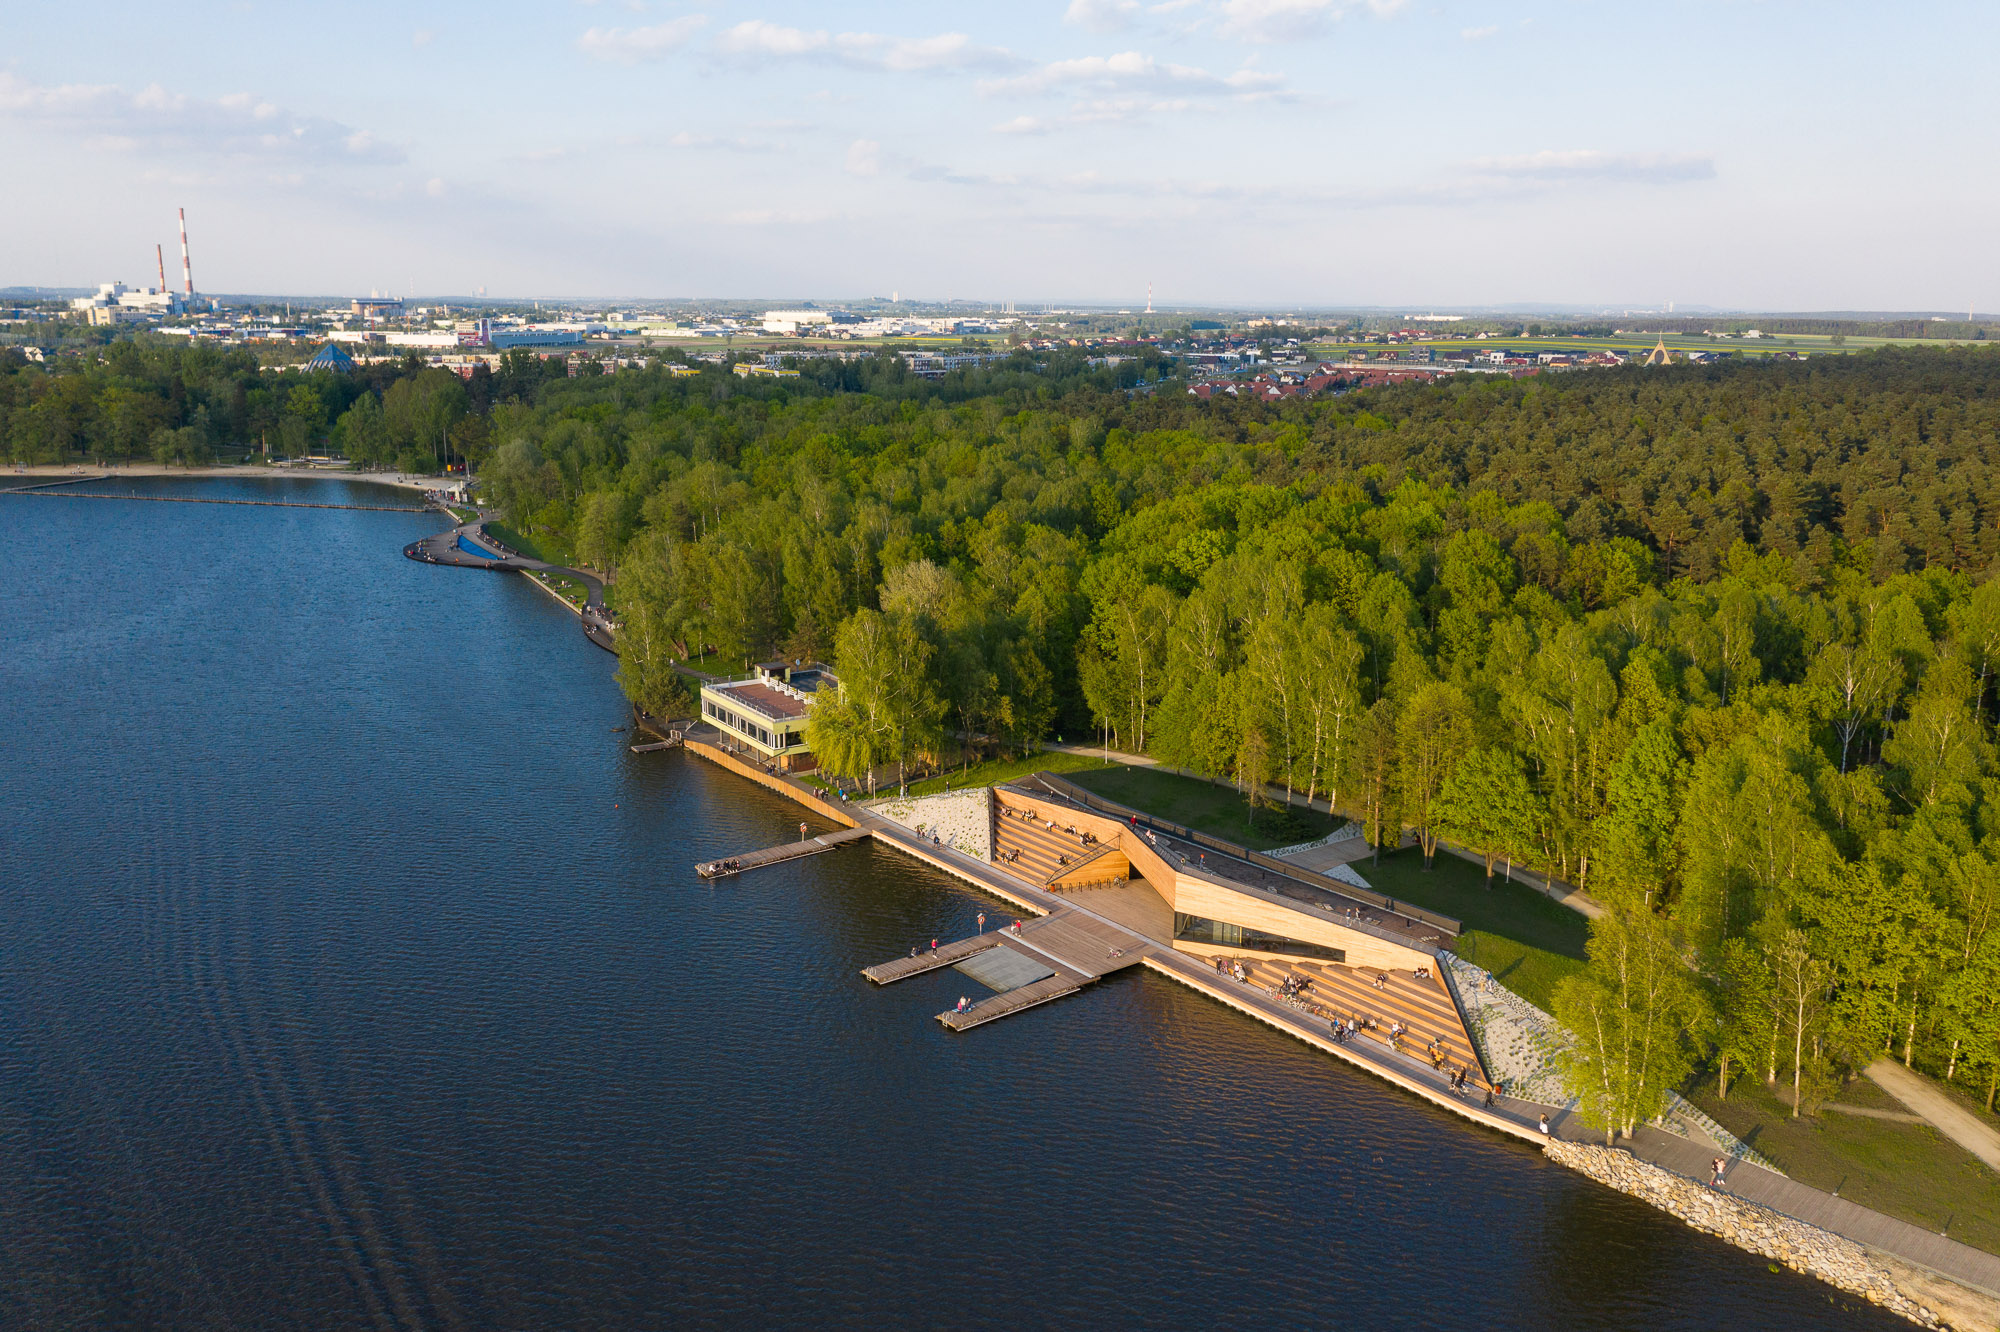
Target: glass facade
{"x":1200,"y":929}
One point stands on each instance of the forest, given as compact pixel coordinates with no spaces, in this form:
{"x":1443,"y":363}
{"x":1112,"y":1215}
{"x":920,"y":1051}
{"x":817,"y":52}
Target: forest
{"x":1715,"y":643}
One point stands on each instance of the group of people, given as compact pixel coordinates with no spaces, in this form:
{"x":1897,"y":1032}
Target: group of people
{"x":1343,"y":1032}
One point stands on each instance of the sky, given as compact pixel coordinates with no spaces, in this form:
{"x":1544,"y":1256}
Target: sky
{"x":1258,"y":153}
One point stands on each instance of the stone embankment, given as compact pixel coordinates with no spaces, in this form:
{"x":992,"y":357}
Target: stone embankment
{"x":1919,"y":1296}
{"x":962,"y":820}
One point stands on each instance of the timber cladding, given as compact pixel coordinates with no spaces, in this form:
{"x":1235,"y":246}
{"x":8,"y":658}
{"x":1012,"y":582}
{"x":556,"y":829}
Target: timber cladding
{"x":784,"y":786}
{"x":1198,"y":895}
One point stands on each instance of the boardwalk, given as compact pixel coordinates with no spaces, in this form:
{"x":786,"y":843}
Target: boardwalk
{"x":1010,"y":1002}
{"x":445,"y":548}
{"x":929,"y":959}
{"x":777,"y":855}
{"x":47,"y":491}
{"x":1515,"y":1118}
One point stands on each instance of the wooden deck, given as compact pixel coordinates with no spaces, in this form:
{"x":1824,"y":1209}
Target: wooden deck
{"x":1077,"y":947}
{"x":749,"y":860}
{"x":1083,"y":944}
{"x":902,"y":968}
{"x":1010,"y":1002}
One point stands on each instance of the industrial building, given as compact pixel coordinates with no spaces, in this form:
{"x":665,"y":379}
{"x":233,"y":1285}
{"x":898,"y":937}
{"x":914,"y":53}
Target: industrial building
{"x":115,"y":303}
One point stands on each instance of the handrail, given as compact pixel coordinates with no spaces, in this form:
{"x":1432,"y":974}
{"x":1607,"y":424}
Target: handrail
{"x":1072,"y":791}
{"x":1443,"y":972}
{"x":1064,"y":871}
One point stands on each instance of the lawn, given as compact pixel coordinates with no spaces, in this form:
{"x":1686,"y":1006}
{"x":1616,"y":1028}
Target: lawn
{"x":1219,"y":811}
{"x":994,"y":771}
{"x":1908,"y":1171}
{"x":1526,"y":940}
{"x":546,"y":550}
{"x":569,"y":589}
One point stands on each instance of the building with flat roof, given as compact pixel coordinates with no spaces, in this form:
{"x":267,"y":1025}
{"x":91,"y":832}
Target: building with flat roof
{"x":766,"y":712}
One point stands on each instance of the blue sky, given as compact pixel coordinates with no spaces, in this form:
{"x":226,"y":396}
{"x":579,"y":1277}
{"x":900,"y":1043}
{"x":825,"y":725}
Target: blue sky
{"x":1268,"y":152}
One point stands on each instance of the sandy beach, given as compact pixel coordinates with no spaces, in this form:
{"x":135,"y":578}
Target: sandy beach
{"x":339,"y":472}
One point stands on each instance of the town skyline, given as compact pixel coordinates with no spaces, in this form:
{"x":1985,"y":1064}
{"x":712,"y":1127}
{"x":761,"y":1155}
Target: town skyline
{"x":1243,"y":154}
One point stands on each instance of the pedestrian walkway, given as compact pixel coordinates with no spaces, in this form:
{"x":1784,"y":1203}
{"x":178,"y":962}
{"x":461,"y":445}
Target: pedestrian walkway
{"x":469,"y":546}
{"x":1960,"y":1262}
{"x":1940,"y":1111}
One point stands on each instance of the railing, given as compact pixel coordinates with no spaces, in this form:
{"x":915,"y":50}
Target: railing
{"x":1345,"y":832}
{"x":1064,"y":871}
{"x":1070,"y":791}
{"x":1443,"y":973}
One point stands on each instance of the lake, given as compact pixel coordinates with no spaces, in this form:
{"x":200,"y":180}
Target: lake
{"x":354,"y":974}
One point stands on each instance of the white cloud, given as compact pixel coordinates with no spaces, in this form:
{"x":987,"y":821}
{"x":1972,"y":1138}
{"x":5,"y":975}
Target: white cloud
{"x":1131,"y":70}
{"x":1101,"y":15}
{"x":153,"y":119}
{"x":688,"y":139}
{"x":1097,"y":111}
{"x":1478,"y":34}
{"x":864,"y":158}
{"x":628,"y":46}
{"x":435,"y":187}
{"x":422,"y":37}
{"x":1588,"y":163}
{"x":760,"y":37}
{"x":1268,"y":21}
{"x":755,"y":39}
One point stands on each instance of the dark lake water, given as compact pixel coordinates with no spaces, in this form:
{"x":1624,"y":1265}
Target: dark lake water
{"x":353,"y":973}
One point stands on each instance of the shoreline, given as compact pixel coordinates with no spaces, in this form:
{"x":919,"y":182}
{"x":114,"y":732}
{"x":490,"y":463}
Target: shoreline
{"x":1909,"y":1280}
{"x":133,"y":470}
{"x":1917,"y":1290}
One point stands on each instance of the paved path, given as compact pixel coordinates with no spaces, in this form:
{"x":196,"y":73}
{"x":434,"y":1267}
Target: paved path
{"x":444,"y":549}
{"x":1944,"y":1114}
{"x":1961,"y":1262}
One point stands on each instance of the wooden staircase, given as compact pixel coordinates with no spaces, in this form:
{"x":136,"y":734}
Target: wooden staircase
{"x":1422,"y":1005}
{"x":1050,"y":857}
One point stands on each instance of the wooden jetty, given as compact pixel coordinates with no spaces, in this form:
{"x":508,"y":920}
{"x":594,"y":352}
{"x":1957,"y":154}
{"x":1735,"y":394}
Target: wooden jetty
{"x":672,"y":740}
{"x":749,"y":860}
{"x":902,"y":968}
{"x":1009,"y":1002}
{"x":44,"y":493}
{"x":1056,"y":955}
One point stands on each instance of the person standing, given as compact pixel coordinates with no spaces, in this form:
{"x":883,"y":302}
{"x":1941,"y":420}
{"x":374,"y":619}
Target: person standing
{"x":1715,"y":1169}
{"x":1544,"y":1126}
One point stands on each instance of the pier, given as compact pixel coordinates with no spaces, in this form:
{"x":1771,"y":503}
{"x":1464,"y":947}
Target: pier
{"x":50,"y":490}
{"x":1026,"y":964}
{"x":469,"y":546}
{"x":777,"y":855}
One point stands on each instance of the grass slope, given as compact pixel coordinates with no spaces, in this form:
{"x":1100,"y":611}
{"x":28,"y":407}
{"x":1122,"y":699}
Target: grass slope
{"x":994,"y":771}
{"x":1909,"y":1171}
{"x":1219,"y":811}
{"x":1528,"y":942}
